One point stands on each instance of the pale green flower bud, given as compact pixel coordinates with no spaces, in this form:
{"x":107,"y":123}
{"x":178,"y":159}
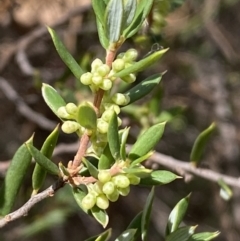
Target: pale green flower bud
{"x":112,"y":106}
{"x":124,"y":191}
{"x":103,"y":70}
{"x":121,"y":181}
{"x":108,"y":188}
{"x":129,"y":78}
{"x":89,"y":201}
{"x":118,"y":65}
{"x":106,"y":84}
{"x":70,"y":127}
{"x":120,"y":99}
{"x":107,"y":115}
{"x":102,"y":202}
{"x":102,"y":126}
{"x":62,"y":112}
{"x":86,"y":79}
{"x":104,"y":176}
{"x":131,"y":55}
{"x":113,"y":197}
{"x":71,"y":108}
{"x":97,"y":187}
{"x":97,"y":79}
{"x":96,"y":64}
{"x":134,"y":180}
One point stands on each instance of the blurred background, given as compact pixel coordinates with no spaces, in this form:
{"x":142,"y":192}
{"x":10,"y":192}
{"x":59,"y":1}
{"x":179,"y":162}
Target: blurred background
{"x":201,"y":86}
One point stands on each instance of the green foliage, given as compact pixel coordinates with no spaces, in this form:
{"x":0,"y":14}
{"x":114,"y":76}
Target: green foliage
{"x":146,"y":141}
{"x":102,"y":169}
{"x":52,"y":98}
{"x":143,"y":88}
{"x":14,"y":178}
{"x":87,"y":117}
{"x":113,"y":138}
{"x":113,"y":20}
{"x":182,"y":234}
{"x":42,"y":160}
{"x":146,"y":215}
{"x":200,"y":143}
{"x":176,"y":216}
{"x":142,"y":64}
{"x":47,"y":149}
{"x":65,"y":55}
{"x":158,"y":178}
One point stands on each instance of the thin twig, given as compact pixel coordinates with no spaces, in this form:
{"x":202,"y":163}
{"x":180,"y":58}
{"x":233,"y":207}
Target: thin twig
{"x":81,"y":151}
{"x":183,"y":168}
{"x":23,"y":108}
{"x":23,"y":211}
{"x":175,"y":165}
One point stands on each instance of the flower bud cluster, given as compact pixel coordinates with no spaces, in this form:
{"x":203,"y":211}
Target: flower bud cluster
{"x":99,"y":139}
{"x":108,"y":188}
{"x":69,"y":114}
{"x":102,"y":76}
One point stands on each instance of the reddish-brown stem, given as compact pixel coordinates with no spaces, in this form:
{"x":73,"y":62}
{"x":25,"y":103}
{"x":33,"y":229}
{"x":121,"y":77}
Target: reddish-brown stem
{"x":98,"y":99}
{"x":110,"y":57}
{"x":81,"y":151}
{"x":97,"y":102}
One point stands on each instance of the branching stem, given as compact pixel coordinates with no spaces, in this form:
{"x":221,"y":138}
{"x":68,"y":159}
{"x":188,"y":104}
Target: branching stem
{"x":23,"y":211}
{"x":97,"y":103}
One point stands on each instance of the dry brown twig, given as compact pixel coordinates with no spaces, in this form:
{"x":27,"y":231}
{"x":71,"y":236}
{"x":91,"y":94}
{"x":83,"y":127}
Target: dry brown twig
{"x":23,"y":108}
{"x":23,"y":211}
{"x":180,"y":167}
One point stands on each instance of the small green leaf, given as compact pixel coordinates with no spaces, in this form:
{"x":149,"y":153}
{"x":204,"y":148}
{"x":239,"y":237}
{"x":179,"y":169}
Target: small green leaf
{"x":138,"y":171}
{"x":147,"y":141}
{"x":204,"y":236}
{"x":113,"y":137}
{"x":143,"y":88}
{"x":102,"y":35}
{"x":43,"y":161}
{"x":113,"y":20}
{"x":146,"y":215}
{"x":91,"y":168}
{"x":225,"y":191}
{"x":141,"y":159}
{"x":87,"y":117}
{"x":14,"y":178}
{"x":200,"y":143}
{"x":158,"y":178}
{"x":136,"y":224}
{"x":123,"y":138}
{"x":39,"y":173}
{"x":99,"y":9}
{"x":101,"y":237}
{"x":52,"y":98}
{"x":142,"y":64}
{"x":100,"y":215}
{"x":176,"y":215}
{"x":182,"y":234}
{"x":106,"y":159}
{"x":127,"y":235}
{"x":129,"y":10}
{"x":66,"y":57}
{"x":143,"y":9}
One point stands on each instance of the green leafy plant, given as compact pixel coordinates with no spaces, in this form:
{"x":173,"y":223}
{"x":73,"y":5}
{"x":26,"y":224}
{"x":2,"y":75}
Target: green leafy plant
{"x":102,"y":169}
